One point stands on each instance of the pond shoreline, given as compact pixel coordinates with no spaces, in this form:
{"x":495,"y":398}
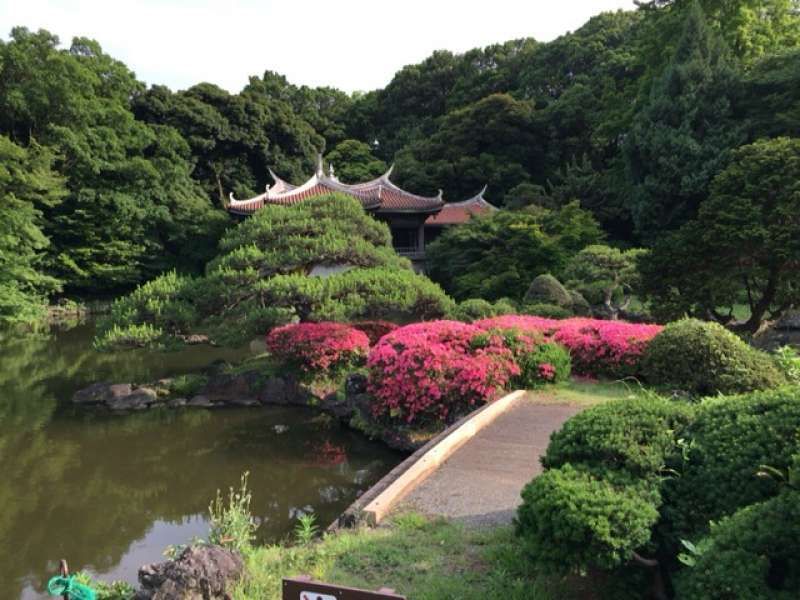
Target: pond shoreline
{"x":252,"y":388}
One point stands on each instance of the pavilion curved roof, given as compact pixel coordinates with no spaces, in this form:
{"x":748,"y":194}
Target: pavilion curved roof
{"x":455,"y":213}
{"x":378,"y":195}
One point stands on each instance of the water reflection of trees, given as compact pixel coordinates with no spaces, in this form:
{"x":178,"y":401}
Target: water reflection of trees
{"x":86,"y":486}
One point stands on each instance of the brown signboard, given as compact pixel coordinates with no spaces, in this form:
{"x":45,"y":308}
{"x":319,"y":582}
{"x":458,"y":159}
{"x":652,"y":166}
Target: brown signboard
{"x":304,"y":588}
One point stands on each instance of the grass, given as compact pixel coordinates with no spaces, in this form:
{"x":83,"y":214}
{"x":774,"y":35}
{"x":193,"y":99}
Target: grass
{"x":421,"y":558}
{"x":589,"y":392}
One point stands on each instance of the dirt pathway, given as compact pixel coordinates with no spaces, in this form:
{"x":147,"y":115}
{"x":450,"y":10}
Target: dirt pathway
{"x":480,"y":483}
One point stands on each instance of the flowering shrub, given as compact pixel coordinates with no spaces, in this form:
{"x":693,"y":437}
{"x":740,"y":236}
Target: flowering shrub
{"x":375,"y":330}
{"x":612,"y":348}
{"x":429,"y":371}
{"x":545,"y":363}
{"x":315,"y":347}
{"x":597,"y":347}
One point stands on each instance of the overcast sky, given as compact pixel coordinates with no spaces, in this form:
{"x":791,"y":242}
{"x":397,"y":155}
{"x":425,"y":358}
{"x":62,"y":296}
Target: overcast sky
{"x":343,"y":43}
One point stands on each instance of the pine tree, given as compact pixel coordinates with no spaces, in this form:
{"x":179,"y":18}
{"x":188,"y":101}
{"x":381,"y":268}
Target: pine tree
{"x":682,"y":138}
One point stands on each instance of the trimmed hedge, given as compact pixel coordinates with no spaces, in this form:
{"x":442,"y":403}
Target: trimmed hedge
{"x":570,"y":519}
{"x":753,"y":555}
{"x":728,"y":442}
{"x":705,"y":358}
{"x":634,"y":435}
{"x":550,"y":311}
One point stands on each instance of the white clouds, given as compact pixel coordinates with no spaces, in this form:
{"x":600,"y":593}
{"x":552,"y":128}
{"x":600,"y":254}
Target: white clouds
{"x":348,"y":44}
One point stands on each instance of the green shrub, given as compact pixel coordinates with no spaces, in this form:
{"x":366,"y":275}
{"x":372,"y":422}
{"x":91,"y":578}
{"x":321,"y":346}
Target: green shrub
{"x":572,"y":520}
{"x":549,"y":311}
{"x":130,"y":336}
{"x":472,"y":310}
{"x":186,"y":386}
{"x":788,"y":360}
{"x":728,"y":442}
{"x":752,"y":555}
{"x":580,"y":306}
{"x":634,"y":435}
{"x":546,"y":363}
{"x":475,"y":309}
{"x":546,"y":289}
{"x":705,"y":358}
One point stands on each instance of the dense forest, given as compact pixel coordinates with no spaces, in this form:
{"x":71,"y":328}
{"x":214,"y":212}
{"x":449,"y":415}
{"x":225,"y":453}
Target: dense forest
{"x":676,"y":125}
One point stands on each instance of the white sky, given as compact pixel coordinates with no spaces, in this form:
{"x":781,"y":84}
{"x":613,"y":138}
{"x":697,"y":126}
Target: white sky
{"x":349,"y":44}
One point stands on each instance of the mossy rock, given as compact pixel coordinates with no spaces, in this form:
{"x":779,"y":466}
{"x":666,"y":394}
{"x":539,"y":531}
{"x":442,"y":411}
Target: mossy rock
{"x":546,"y":289}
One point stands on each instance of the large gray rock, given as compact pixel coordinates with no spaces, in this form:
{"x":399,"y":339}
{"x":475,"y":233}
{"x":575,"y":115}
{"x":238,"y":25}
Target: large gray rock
{"x":102,"y":393}
{"x":783,"y":332}
{"x":231,"y":389}
{"x":199,"y":573}
{"x":138,"y":399}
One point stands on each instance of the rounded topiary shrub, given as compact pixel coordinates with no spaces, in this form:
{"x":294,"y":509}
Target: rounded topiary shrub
{"x":704,"y":358}
{"x":753,"y":555}
{"x":570,"y":519}
{"x":546,"y":289}
{"x":432,"y":371}
{"x":635,"y":435}
{"x":318,"y":348}
{"x":727,"y":444}
{"x":544,"y":363}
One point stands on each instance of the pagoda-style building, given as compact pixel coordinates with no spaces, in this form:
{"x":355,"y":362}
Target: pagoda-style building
{"x":412,"y":219}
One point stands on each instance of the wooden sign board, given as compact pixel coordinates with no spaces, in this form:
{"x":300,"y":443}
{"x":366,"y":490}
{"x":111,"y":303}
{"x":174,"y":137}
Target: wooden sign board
{"x":304,"y":588}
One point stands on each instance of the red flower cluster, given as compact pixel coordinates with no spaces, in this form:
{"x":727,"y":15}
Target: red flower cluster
{"x":375,"y":330}
{"x":430,"y":370}
{"x":315,"y":347}
{"x":597,"y":347}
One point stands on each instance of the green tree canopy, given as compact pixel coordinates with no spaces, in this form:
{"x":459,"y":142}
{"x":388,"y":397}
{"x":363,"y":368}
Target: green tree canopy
{"x":683,"y":136}
{"x":605,"y":276}
{"x":27,"y":185}
{"x":264,"y":276}
{"x":744,"y":246}
{"x":498,"y":256}
{"x":354,"y":162}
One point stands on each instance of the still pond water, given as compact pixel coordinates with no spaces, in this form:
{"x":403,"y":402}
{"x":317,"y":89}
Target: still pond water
{"x":110,"y":492}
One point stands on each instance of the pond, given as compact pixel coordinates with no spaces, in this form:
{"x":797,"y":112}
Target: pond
{"x":111,"y":492}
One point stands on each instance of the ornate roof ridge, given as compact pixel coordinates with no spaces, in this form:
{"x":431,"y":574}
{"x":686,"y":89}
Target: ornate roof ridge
{"x":476,"y":199}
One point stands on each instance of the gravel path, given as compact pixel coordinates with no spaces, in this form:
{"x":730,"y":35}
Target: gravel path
{"x":480,"y":483}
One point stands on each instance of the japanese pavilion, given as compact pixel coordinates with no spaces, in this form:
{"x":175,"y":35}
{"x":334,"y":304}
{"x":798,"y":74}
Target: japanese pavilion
{"x":412,"y":219}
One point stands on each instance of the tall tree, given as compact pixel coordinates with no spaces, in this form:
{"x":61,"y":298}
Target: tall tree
{"x":27,"y":184}
{"x":744,"y":246}
{"x":683,"y":136}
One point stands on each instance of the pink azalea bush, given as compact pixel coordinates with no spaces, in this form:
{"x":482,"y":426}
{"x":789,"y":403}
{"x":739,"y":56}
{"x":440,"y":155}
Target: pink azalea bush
{"x":597,"y":347}
{"x":375,"y":330}
{"x":429,"y":371}
{"x":318,"y":347}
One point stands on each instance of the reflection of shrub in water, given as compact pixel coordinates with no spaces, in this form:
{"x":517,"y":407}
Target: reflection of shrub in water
{"x":326,"y":454}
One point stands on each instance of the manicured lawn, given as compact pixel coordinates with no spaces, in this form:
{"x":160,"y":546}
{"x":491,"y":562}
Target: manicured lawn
{"x":589,"y":392}
{"x":423,"y":559}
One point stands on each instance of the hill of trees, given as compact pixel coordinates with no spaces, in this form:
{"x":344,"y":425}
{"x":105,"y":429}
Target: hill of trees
{"x":105,"y":183}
